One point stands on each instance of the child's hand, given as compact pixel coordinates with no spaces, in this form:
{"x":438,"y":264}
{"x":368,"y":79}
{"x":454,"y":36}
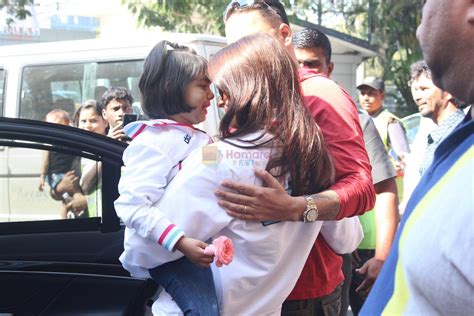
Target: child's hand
{"x":41,"y":183}
{"x":193,"y":249}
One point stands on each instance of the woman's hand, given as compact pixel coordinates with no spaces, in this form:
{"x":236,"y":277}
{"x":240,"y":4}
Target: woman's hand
{"x":193,"y":249}
{"x":78,"y":204}
{"x":69,"y":184}
{"x":270,"y":203}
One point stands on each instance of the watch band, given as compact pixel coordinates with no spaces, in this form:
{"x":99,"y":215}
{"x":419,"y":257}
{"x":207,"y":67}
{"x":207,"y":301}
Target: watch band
{"x":311,"y":213}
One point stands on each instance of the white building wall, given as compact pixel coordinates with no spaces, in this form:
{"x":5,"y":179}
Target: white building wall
{"x":345,"y":72}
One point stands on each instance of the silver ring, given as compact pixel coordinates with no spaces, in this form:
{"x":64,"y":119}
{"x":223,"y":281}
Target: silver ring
{"x":245,"y":209}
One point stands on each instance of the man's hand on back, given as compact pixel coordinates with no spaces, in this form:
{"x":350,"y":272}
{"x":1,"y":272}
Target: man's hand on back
{"x":249,"y":202}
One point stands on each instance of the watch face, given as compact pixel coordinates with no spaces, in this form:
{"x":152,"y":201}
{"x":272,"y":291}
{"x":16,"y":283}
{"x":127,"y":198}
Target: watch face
{"x":311,"y":215}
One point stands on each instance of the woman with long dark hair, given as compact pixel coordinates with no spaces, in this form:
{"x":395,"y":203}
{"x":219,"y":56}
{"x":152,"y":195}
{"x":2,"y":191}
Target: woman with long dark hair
{"x":265,"y":126}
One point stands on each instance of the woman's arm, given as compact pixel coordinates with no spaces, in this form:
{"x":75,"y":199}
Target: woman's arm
{"x":89,"y":180}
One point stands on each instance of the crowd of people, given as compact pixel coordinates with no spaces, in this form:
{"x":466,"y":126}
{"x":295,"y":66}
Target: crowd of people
{"x":73,"y":181}
{"x":314,"y":218}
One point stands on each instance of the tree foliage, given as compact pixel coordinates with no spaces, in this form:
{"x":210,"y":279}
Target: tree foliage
{"x":16,"y":9}
{"x":197,"y":16}
{"x":391,"y":25}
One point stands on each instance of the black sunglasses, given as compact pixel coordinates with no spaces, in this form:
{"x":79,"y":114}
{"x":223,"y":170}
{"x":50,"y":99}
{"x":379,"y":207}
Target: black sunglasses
{"x":240,"y":4}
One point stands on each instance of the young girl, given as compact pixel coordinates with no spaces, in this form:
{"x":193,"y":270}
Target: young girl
{"x":265,"y":126}
{"x":176,"y":93}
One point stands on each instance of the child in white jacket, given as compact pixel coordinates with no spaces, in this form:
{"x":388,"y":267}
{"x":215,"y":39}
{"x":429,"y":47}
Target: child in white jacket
{"x":175,"y":93}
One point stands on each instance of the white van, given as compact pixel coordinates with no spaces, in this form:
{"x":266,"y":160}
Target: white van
{"x":36,"y":78}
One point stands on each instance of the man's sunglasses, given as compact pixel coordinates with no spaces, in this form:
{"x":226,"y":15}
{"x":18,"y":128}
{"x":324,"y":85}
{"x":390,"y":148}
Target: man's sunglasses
{"x":240,"y":4}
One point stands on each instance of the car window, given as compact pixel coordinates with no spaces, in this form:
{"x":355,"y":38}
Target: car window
{"x":39,"y":185}
{"x":2,"y":87}
{"x":411,"y":124}
{"x":66,"y":86}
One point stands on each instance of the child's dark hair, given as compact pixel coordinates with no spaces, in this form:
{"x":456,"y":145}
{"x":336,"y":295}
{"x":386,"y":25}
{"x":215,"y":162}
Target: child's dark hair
{"x":168,"y":69}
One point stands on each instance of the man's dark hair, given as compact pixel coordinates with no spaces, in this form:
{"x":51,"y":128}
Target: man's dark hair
{"x":279,"y":8}
{"x":419,"y":68}
{"x":168,"y":69}
{"x":266,"y":7}
{"x":313,"y":38}
{"x":115,"y":93}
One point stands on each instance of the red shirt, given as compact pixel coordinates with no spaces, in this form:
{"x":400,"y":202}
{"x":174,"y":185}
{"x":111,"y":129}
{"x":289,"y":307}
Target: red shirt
{"x":336,"y":114}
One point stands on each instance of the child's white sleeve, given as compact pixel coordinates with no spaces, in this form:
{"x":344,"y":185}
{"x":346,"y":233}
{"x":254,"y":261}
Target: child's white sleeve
{"x":142,"y":183}
{"x":190,"y":202}
{"x":344,"y":235}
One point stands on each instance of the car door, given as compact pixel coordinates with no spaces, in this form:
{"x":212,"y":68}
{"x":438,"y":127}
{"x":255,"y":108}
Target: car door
{"x":51,"y":264}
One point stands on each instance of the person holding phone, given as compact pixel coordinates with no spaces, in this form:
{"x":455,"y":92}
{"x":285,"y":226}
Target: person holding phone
{"x":116,"y":102}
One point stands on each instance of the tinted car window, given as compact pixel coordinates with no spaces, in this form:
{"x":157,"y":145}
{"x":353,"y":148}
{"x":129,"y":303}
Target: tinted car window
{"x":66,"y":86}
{"x":40,"y":185}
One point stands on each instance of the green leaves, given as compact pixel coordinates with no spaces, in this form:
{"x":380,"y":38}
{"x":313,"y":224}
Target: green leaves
{"x":16,"y":9}
{"x":197,"y":16}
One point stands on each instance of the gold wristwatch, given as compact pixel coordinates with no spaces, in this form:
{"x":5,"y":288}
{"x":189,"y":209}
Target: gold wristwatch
{"x":311,"y":213}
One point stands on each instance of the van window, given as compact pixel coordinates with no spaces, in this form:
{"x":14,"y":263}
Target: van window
{"x":2,"y":87}
{"x":66,"y":86}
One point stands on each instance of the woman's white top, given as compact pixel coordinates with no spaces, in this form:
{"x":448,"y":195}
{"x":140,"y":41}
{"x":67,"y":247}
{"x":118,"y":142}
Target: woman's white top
{"x":268,"y":258}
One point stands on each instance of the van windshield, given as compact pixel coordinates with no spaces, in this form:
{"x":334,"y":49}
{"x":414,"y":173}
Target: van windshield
{"x":66,"y":86}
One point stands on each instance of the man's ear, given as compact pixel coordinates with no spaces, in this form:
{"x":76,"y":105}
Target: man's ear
{"x":470,"y":13}
{"x":103,"y":114}
{"x":330,"y":68}
{"x":448,"y":97}
{"x":285,"y":33}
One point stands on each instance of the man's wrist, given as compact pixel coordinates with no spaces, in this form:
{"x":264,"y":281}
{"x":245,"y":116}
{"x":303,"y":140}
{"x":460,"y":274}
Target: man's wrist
{"x":299,"y":203}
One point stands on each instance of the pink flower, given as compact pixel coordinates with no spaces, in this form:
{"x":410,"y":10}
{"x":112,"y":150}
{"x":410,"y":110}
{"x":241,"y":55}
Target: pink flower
{"x":223,"y":248}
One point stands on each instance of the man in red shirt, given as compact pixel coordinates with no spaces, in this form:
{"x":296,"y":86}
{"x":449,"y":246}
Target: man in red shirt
{"x":318,"y":289}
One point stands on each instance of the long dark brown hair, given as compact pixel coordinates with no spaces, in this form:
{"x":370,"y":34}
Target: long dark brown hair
{"x":261,"y":82}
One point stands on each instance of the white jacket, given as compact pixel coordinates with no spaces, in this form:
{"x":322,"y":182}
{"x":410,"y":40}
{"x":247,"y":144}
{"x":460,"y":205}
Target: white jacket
{"x":151,"y":161}
{"x":268,"y":259}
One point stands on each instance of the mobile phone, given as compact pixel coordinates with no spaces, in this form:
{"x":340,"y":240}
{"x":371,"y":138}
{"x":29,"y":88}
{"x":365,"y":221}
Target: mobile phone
{"x":129,"y":118}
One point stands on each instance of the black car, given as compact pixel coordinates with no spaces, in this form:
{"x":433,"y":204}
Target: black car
{"x":51,"y":265}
